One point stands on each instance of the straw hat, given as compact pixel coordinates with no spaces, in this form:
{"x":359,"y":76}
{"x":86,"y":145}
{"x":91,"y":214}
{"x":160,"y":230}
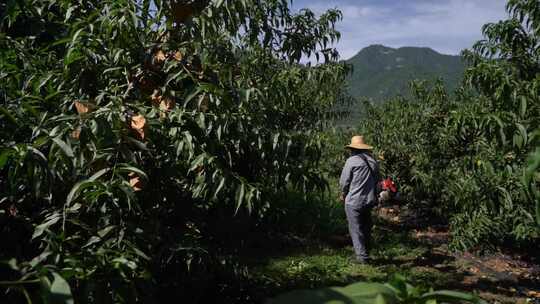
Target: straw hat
{"x":357,"y":142}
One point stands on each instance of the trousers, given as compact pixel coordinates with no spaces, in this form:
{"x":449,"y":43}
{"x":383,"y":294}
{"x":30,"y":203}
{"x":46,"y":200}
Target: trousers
{"x":360,"y":225}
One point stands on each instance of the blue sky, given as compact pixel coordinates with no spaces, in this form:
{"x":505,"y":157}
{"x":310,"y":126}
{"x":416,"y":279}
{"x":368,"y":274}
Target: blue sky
{"x":447,"y":26}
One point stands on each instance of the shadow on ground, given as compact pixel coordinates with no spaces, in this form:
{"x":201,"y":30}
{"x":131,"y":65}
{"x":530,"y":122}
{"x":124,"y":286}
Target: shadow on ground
{"x":419,"y":253}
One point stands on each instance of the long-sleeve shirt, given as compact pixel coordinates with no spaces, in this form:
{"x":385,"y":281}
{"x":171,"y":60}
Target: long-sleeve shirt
{"x":357,"y":183}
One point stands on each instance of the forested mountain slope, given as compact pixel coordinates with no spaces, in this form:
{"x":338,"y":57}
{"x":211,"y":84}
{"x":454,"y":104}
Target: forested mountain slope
{"x":381,"y":72}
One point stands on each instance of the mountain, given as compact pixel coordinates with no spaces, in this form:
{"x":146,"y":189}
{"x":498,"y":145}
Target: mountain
{"x":380,"y":72}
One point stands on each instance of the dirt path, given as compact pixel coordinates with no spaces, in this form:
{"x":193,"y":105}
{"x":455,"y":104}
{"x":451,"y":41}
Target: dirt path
{"x":402,"y":246}
{"x":496,"y":277}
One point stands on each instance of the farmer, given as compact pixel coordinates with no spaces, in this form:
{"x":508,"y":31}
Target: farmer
{"x":358,"y":184}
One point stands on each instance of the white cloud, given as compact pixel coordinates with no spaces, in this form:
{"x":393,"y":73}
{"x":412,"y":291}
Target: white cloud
{"x":447,"y":26}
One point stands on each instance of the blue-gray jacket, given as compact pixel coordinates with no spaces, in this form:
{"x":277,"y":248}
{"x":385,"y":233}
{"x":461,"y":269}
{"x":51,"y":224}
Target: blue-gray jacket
{"x":357,"y":183}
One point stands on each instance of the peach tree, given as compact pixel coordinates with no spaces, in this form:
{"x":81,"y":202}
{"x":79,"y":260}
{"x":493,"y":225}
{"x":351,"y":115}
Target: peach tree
{"x":132,"y":131}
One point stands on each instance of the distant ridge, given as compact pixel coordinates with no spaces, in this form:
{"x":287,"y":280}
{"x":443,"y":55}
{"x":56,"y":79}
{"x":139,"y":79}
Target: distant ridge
{"x":381,"y":72}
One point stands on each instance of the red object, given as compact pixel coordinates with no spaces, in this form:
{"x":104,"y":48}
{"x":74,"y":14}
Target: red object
{"x":13,"y":210}
{"x":388,"y":184}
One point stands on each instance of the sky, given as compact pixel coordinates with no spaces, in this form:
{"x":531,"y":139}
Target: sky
{"x":447,"y":26}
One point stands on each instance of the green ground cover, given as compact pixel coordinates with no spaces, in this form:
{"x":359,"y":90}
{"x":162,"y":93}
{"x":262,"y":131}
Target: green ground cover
{"x":316,"y":263}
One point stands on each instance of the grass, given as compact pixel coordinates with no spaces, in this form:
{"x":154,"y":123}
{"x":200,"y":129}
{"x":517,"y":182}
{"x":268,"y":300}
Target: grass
{"x":315,"y":263}
{"x":313,"y":250}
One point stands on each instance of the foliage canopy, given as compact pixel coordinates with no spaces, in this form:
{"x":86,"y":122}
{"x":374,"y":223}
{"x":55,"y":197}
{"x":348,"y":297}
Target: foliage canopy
{"x":132,"y":132}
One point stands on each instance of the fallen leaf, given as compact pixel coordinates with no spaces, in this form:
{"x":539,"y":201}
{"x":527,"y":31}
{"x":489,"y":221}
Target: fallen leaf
{"x":75,"y":134}
{"x":82,"y":108}
{"x":177,"y":56}
{"x":159,"y":56}
{"x":156,"y":98}
{"x":167,"y":104}
{"x":533,"y":294}
{"x":135,"y":182}
{"x":137,"y":123}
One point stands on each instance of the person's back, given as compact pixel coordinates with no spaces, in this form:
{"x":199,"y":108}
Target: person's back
{"x":359,"y":179}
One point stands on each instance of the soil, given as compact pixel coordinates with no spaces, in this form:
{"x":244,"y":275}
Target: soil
{"x":498,"y":277}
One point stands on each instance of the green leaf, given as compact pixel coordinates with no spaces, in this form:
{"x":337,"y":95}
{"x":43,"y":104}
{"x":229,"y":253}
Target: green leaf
{"x":72,"y":56}
{"x":448,"y":295}
{"x":275,"y":141}
{"x":103,"y":232}
{"x":38,"y":153}
{"x":240,"y":192}
{"x":61,"y":41}
{"x":520,"y":138}
{"x":94,"y":239}
{"x":501,"y":126}
{"x":45,"y":285}
{"x":191,"y":96}
{"x":320,"y":296}
{"x":533,"y":164}
{"x":537,"y":210}
{"x":139,"y":144}
{"x":218,"y":3}
{"x":129,"y":168}
{"x":198,"y":161}
{"x":4,"y":157}
{"x":189,"y":140}
{"x":69,"y":12}
{"x":140,"y":253}
{"x":64,"y":146}
{"x":60,"y":292}
{"x":98,"y":174}
{"x":379,"y":299}
{"x":219,"y":187}
{"x":523,"y":107}
{"x":77,"y":188}
{"x":8,"y":116}
{"x":49,"y":221}
{"x":359,"y":293}
{"x":362,"y":290}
